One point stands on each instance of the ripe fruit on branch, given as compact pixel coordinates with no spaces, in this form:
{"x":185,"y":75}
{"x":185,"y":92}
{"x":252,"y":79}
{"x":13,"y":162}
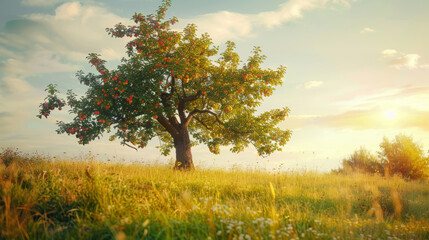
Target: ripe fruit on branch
{"x":176,"y":80}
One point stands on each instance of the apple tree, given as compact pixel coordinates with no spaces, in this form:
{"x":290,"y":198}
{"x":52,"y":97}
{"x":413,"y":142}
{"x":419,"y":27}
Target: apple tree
{"x":171,"y":86}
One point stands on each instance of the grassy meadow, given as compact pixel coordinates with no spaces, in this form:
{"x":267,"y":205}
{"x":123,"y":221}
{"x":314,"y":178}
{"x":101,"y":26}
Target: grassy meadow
{"x":47,"y":198}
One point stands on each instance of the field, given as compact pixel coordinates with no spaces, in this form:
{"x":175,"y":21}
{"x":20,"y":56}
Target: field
{"x":47,"y":198}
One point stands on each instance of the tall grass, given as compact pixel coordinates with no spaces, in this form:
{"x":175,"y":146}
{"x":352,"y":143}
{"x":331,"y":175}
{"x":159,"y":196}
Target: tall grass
{"x":43,"y":198}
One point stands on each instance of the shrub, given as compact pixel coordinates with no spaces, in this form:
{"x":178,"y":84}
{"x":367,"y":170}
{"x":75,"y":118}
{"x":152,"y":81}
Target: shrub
{"x":403,"y":157}
{"x":361,"y":161}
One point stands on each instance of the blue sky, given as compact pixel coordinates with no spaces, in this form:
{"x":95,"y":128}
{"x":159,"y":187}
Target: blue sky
{"x":358,"y":70}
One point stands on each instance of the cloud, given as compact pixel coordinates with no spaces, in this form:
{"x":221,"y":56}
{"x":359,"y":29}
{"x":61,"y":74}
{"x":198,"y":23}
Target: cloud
{"x":68,"y":10}
{"x":367,"y":30}
{"x":400,"y":61}
{"x":389,"y":53}
{"x":288,"y":11}
{"x":17,"y":103}
{"x":45,"y":43}
{"x":231,"y":25}
{"x":378,"y":118}
{"x":312,"y":84}
{"x":297,"y":122}
{"x":223,"y":24}
{"x":37,"y":44}
{"x":409,"y":105}
{"x":406,"y":97}
{"x":40,"y":2}
{"x":38,"y":62}
{"x":374,"y":118}
{"x":409,"y":61}
{"x":110,"y":53}
{"x":71,"y":33}
{"x":401,"y":95}
{"x":14,"y":86}
{"x":5,"y":53}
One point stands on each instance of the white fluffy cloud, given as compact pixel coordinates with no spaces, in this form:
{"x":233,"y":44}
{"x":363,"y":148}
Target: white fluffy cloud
{"x":55,"y":43}
{"x":37,"y":44}
{"x":312,"y":84}
{"x":409,"y":61}
{"x":78,"y":29}
{"x":68,"y":11}
{"x":367,"y":30}
{"x":288,"y":11}
{"x":224,"y":24}
{"x":399,"y":60}
{"x":389,"y":53}
{"x":231,"y":25}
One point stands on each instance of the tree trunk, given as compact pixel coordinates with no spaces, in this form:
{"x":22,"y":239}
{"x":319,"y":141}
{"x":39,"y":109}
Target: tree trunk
{"x":182,"y":143}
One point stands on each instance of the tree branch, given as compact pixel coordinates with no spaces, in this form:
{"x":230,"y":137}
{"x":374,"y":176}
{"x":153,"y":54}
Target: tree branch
{"x":181,"y":110}
{"x":203,"y":123}
{"x":196,"y":111}
{"x":192,"y":97}
{"x":165,"y":97}
{"x":164,"y":100}
{"x":167,"y":125}
{"x":183,"y":119}
{"x":124,"y":143}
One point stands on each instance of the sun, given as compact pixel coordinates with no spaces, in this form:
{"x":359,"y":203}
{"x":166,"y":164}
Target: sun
{"x":390,"y":114}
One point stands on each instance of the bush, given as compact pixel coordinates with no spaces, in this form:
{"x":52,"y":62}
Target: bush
{"x":9,"y":155}
{"x":403,"y":157}
{"x":361,"y":161}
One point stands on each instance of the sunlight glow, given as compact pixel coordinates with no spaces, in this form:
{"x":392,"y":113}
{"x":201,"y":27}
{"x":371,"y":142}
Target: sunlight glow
{"x":390,"y":114}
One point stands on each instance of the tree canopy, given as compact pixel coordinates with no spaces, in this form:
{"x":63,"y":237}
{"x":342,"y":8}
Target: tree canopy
{"x":178,"y":87}
{"x":404,"y":157}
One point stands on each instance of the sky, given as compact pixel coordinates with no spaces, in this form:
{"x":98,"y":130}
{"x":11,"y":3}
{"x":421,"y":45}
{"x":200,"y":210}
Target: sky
{"x":357,"y":71}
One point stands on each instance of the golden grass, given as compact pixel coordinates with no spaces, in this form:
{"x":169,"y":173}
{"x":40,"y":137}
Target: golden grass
{"x":44,"y":198}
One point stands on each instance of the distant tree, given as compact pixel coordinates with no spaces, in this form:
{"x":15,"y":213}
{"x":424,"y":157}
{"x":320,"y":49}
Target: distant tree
{"x":172,"y":87}
{"x":404,"y":157}
{"x":361,"y":161}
